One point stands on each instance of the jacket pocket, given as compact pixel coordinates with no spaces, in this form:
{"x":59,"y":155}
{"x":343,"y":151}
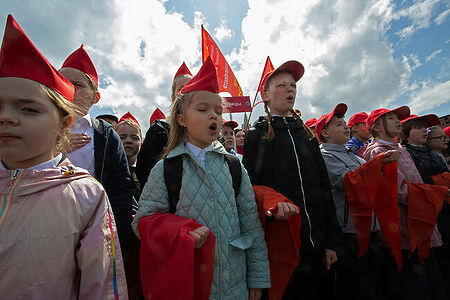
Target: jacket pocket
{"x":242,"y":242}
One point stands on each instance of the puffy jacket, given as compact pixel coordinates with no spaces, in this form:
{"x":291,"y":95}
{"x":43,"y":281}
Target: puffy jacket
{"x":207,"y":196}
{"x":152,"y":148}
{"x":407,"y":171}
{"x":55,"y":237}
{"x":292,"y":165}
{"x":111,"y":170}
{"x":340,"y":160}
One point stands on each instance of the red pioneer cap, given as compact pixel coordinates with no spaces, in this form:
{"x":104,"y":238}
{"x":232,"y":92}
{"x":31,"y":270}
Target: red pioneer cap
{"x":430,"y":119}
{"x":402,"y":112}
{"x":205,"y":80}
{"x":129,"y":116}
{"x":81,"y":61}
{"x":231,"y":123}
{"x":157,"y":115}
{"x":295,"y":68}
{"x":311,"y":122}
{"x":340,"y":109}
{"x":357,"y":118}
{"x":182,"y":70}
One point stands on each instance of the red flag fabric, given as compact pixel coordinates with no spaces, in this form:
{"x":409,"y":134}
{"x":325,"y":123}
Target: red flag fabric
{"x":129,"y":116}
{"x":238,"y":104}
{"x":444,"y":180}
{"x":424,"y":205}
{"x":282,"y":238}
{"x":19,"y":57}
{"x":267,"y":68}
{"x":157,"y":115}
{"x":225,"y":76}
{"x":170,"y":266}
{"x":368,"y":192}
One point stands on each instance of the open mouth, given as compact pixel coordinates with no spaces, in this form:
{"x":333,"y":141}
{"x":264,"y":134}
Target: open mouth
{"x":213,"y":127}
{"x":290,"y":98}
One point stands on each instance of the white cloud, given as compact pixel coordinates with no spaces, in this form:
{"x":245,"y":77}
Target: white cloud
{"x":430,"y":96}
{"x":420,"y":14}
{"x":441,"y":18}
{"x":222,"y":32}
{"x":433,"y":55}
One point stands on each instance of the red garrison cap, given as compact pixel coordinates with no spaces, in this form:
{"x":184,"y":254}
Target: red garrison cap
{"x":183,"y":70}
{"x":81,"y":61}
{"x":295,"y":68}
{"x":129,"y":116}
{"x":340,"y":109}
{"x":231,"y":123}
{"x":19,"y":57}
{"x":357,"y":118}
{"x":157,"y":115}
{"x":430,"y":119}
{"x":205,"y":80}
{"x":402,"y":112}
{"x":311,"y":122}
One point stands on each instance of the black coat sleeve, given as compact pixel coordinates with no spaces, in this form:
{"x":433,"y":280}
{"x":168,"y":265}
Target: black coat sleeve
{"x":152,"y":149}
{"x":333,"y":230}
{"x":253,"y":156}
{"x":119,"y":187}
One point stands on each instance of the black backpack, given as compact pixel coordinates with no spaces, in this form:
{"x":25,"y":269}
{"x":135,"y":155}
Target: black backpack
{"x":173,"y":170}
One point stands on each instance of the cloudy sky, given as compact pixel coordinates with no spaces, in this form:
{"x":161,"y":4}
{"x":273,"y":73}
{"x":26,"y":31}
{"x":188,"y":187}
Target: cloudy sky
{"x":368,"y":54}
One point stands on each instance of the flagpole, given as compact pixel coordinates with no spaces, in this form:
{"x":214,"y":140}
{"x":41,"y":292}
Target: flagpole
{"x":248,"y":121}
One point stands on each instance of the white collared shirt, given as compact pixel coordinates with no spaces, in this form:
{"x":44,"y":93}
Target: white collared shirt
{"x":84,"y":156}
{"x":49,"y":164}
{"x":198,"y":152}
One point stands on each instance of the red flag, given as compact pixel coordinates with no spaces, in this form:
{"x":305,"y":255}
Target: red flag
{"x":225,"y":77}
{"x":238,"y":104}
{"x":267,"y":68}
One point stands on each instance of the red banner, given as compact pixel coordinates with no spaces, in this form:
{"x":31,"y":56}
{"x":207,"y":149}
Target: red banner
{"x":225,"y":77}
{"x":267,"y":68}
{"x":238,"y":104}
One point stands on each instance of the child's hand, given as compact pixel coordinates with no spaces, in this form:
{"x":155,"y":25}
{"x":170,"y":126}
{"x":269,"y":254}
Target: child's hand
{"x":200,"y":234}
{"x":78,"y":140}
{"x":254,"y":294}
{"x":284,"y":211}
{"x":329,"y":258}
{"x":390,"y":157}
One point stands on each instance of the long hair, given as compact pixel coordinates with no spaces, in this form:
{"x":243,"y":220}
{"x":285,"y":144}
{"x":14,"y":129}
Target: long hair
{"x":177,"y":132}
{"x":270,"y":132}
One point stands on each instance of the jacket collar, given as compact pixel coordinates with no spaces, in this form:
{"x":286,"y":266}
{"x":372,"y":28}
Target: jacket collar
{"x":335,"y":147}
{"x":279,"y":122}
{"x":182,"y":149}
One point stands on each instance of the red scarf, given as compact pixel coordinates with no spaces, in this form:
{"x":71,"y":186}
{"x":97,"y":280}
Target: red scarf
{"x":170,"y":266}
{"x":282,"y":238}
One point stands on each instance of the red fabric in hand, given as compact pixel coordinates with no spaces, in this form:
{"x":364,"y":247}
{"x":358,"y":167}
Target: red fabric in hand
{"x":444,"y":180}
{"x":424,"y":205}
{"x":282,"y":238}
{"x":170,"y":266}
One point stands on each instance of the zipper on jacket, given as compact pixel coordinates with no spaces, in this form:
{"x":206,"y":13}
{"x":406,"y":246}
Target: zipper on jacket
{"x":301,"y":182}
{"x":346,"y":214}
{"x":8,"y":191}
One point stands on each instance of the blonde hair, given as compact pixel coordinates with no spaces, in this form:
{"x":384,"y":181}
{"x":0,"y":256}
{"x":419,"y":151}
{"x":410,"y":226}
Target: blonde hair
{"x":132,"y":124}
{"x":65,"y":108}
{"x":270,"y":132}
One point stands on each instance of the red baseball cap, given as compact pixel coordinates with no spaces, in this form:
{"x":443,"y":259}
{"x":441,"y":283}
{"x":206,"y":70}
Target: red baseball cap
{"x":81,"y":61}
{"x":19,"y":57}
{"x":402,"y":112}
{"x":357,"y":118}
{"x":182,"y":70}
{"x":340,"y":109}
{"x":129,"y":116}
{"x":430,"y":119}
{"x":311,"y":122}
{"x":295,"y":68}
{"x":447,"y":131}
{"x":205,"y":80}
{"x":232,"y":124}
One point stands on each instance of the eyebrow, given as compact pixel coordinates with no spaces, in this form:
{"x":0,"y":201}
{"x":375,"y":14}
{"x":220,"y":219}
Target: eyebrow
{"x":29,"y":101}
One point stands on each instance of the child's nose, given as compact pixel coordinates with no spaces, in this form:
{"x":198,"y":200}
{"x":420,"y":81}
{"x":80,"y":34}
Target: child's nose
{"x":7,"y":118}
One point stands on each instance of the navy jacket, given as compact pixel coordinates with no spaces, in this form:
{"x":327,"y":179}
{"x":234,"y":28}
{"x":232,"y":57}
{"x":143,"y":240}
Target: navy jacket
{"x":111,"y":170}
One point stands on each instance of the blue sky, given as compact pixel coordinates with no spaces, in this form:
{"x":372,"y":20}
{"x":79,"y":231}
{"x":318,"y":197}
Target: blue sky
{"x":368,"y":54}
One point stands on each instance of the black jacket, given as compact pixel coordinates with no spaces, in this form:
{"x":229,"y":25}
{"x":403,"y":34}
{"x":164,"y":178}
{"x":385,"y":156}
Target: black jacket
{"x":275,"y":164}
{"x":111,"y":170}
{"x":152,"y":149}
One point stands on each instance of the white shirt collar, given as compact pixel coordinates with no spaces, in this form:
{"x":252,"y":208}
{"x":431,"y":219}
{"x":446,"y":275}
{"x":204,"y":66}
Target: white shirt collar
{"x":49,"y":164}
{"x":198,"y":152}
{"x":83,"y":122}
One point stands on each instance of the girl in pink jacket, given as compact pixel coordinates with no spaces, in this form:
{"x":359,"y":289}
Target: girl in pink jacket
{"x":57,"y":232}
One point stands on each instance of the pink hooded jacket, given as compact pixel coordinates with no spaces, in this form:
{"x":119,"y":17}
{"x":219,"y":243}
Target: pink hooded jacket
{"x":407,"y":171}
{"x":58,"y":238}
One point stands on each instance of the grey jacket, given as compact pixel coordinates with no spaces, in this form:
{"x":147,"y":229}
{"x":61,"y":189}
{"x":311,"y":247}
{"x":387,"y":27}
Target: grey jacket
{"x":339,"y":160}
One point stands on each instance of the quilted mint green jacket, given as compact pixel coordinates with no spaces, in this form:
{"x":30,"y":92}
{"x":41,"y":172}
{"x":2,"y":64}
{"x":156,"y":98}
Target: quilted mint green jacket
{"x":207,"y":196}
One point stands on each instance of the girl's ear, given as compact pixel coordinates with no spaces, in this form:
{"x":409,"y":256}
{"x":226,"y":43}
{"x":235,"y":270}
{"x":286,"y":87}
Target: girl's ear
{"x":181,"y":120}
{"x":96,"y":97}
{"x":265,"y":96}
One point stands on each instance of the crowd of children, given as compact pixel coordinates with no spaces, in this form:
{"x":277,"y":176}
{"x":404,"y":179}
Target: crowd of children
{"x":201,"y":209}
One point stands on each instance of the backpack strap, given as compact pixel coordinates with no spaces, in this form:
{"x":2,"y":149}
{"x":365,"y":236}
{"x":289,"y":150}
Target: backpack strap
{"x":173,"y":171}
{"x":236,"y":173}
